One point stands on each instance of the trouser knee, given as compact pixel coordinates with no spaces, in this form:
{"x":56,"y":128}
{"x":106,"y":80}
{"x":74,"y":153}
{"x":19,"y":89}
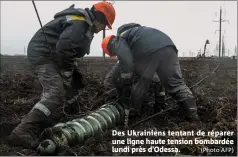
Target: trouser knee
{"x":181,"y":93}
{"x":53,"y":99}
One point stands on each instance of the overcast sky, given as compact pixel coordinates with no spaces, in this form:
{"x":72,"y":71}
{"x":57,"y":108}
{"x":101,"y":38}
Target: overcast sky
{"x":189,"y":24}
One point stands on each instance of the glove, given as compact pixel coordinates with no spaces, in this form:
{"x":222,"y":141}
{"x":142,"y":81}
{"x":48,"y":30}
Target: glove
{"x":73,"y":79}
{"x":126,"y":81}
{"x":67,"y":78}
{"x":67,"y":64}
{"x":125,"y":98}
{"x":78,"y":81}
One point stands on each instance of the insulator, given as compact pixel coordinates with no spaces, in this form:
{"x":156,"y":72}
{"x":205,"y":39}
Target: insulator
{"x":78,"y":130}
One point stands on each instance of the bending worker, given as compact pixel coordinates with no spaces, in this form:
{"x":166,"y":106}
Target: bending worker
{"x":52,"y":53}
{"x":147,"y":50}
{"x":112,"y":83}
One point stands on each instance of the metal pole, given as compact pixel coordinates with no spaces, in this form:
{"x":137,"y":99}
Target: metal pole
{"x":41,"y":25}
{"x":220,"y":32}
{"x":103,"y":36}
{"x":223,"y":47}
{"x":220,"y":23}
{"x":104,"y":32}
{"x":204,"y":49}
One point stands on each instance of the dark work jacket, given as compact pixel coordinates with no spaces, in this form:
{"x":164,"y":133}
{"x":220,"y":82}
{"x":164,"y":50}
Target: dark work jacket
{"x":68,"y":36}
{"x":136,"y":42}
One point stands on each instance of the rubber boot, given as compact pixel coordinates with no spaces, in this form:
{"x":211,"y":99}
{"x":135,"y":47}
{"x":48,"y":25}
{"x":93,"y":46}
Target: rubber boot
{"x":159,"y":98}
{"x":26,"y":134}
{"x":190,"y":108}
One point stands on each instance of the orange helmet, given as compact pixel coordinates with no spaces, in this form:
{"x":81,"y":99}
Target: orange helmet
{"x":108,"y":10}
{"x":105,"y":42}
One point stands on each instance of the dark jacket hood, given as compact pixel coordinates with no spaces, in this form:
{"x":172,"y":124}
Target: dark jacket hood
{"x":126,"y":27}
{"x":69,"y":11}
{"x":75,"y":11}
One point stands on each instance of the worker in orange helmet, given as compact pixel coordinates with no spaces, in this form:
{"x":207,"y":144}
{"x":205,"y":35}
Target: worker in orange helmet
{"x":146,"y":50}
{"x":52,"y":53}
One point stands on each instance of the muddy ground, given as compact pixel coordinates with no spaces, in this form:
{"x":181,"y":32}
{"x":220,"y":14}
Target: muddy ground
{"x":216,"y":99}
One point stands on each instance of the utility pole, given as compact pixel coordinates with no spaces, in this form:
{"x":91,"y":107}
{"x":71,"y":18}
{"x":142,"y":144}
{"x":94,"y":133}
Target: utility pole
{"x":223,"y":47}
{"x":103,"y":36}
{"x":220,"y":26}
{"x":104,"y":31}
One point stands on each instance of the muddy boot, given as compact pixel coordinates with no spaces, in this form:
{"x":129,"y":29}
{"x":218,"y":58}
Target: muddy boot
{"x":26,"y":134}
{"x":159,"y":98}
{"x":190,"y":108}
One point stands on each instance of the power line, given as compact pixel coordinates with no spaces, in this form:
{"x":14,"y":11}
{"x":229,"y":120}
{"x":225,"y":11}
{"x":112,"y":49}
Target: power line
{"x":220,"y":29}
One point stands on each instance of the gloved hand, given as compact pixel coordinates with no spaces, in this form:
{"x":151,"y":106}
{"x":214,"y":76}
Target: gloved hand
{"x":125,"y":89}
{"x":78,"y":80}
{"x":125,"y":96}
{"x":67,"y":78}
{"x":73,"y":79}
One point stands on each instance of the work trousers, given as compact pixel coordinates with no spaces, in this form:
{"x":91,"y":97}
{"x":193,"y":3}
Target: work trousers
{"x":165,"y":63}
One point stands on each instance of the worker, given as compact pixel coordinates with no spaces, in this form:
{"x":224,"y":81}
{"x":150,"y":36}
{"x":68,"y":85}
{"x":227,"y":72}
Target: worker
{"x":52,"y":53}
{"x":113,"y":90}
{"x":112,"y":82}
{"x":148,"y":50}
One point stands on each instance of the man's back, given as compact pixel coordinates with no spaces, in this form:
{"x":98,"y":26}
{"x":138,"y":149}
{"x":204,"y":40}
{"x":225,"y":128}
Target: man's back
{"x":146,"y":40}
{"x":42,"y":47}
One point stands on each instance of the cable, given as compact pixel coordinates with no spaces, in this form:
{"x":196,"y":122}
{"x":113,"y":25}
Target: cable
{"x":41,"y":24}
{"x":201,"y":79}
{"x":206,"y":76}
{"x":154,"y":115}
